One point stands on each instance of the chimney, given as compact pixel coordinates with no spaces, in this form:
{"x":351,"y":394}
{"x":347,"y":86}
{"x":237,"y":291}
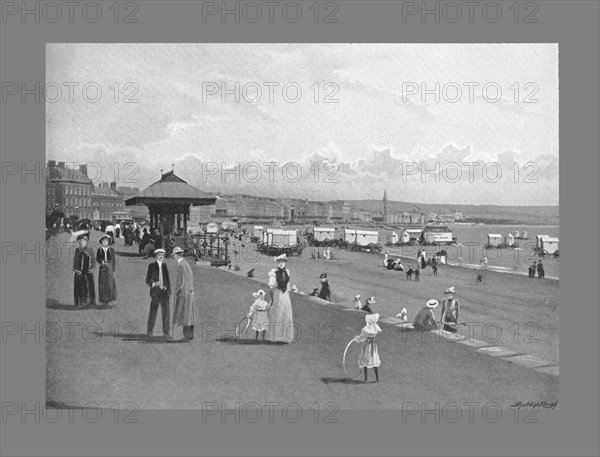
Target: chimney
{"x":83,"y":169}
{"x":51,"y":164}
{"x":113,"y":185}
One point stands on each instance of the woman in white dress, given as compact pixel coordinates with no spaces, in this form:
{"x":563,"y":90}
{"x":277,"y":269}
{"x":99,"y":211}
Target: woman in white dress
{"x":369,"y":355}
{"x":281,"y":323}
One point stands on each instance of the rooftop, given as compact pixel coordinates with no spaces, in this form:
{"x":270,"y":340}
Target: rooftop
{"x":171,"y":188}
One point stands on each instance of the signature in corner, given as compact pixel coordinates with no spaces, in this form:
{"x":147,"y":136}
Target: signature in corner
{"x":535,"y":404}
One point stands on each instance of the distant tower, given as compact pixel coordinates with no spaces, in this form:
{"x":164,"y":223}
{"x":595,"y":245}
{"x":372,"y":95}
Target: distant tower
{"x":385,"y":207}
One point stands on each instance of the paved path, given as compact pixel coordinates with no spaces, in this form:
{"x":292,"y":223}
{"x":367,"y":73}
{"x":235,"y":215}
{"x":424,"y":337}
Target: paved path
{"x":111,"y":361}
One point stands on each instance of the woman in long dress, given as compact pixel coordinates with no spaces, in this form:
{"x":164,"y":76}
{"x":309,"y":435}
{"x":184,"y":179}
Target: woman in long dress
{"x":105,"y":256}
{"x":281,"y":323}
{"x":369,"y":355}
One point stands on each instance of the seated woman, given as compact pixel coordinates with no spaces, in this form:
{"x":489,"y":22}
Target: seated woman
{"x":325,"y":292}
{"x":425,"y":320}
{"x":367,"y":306}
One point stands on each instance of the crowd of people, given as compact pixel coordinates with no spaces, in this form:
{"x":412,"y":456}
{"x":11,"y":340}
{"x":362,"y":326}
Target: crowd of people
{"x":412,"y":271}
{"x":157,"y":279}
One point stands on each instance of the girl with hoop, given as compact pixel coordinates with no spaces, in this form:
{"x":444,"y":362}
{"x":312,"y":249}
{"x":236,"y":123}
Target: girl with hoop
{"x":369,"y":355}
{"x":259,"y":314}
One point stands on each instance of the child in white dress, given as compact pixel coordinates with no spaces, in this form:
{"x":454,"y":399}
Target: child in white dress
{"x":369,"y":356}
{"x":259,"y":314}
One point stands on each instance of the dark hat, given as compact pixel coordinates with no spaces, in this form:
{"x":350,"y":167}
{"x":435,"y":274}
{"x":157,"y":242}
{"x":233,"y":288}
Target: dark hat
{"x":83,"y":236}
{"x":108,"y":237}
{"x":324,"y":275}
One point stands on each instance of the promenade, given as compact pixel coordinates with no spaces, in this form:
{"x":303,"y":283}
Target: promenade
{"x":108,"y":359}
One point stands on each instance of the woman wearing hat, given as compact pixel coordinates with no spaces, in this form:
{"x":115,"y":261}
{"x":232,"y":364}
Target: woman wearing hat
{"x":369,"y":355}
{"x":105,"y":256}
{"x":325,"y":293}
{"x":84,"y":264}
{"x":281,"y":323}
{"x":367,"y":306}
{"x":450,"y":308}
{"x":425,"y":320}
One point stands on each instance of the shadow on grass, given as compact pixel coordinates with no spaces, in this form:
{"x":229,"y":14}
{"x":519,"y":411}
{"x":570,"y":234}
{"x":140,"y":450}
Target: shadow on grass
{"x":345,"y":380}
{"x":60,"y":405}
{"x":55,"y":304}
{"x":138,"y":338}
{"x":234,"y":340}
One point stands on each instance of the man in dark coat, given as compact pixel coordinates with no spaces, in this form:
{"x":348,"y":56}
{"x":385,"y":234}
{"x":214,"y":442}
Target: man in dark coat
{"x":157,"y":279}
{"x":144,"y":241}
{"x":84,"y":264}
{"x":540,"y":270}
{"x":158,"y":239}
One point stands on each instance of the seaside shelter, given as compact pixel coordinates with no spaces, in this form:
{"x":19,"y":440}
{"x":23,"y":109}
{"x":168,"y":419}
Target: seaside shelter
{"x":549,"y":245}
{"x":494,"y":239}
{"x":362,"y":237}
{"x":324,"y":233}
{"x":280,"y":237}
{"x":436,"y":234}
{"x":538,"y":240}
{"x":257,"y":231}
{"x":408,"y":235}
{"x":169,"y":201}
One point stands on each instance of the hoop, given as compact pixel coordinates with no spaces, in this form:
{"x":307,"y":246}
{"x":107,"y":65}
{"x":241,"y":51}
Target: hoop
{"x":241,"y":329}
{"x":353,"y":340}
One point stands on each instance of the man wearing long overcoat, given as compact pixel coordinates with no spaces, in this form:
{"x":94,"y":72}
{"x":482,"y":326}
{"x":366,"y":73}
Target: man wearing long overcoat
{"x":185,"y":313}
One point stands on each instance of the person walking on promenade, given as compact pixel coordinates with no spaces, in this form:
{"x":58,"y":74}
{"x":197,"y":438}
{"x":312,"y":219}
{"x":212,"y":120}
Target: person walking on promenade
{"x":281,"y":322}
{"x":185,"y":313}
{"x":157,"y":279}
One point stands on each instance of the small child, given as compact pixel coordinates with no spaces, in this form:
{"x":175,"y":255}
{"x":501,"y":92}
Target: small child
{"x":259,"y":314}
{"x":357,"y":303}
{"x":369,"y":356}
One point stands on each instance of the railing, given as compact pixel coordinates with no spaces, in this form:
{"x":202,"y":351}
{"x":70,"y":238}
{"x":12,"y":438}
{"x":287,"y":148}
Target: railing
{"x":212,"y":247}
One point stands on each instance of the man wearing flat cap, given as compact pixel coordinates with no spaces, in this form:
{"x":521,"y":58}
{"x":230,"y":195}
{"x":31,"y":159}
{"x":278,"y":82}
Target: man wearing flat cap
{"x":157,"y":279}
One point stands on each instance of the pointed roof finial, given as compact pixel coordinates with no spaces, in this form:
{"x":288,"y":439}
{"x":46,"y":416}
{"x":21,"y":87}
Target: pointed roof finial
{"x":161,"y":171}
{"x":173,"y":166}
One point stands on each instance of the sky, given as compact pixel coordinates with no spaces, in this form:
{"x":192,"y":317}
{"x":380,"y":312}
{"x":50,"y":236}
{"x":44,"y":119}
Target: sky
{"x":481,"y":118}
